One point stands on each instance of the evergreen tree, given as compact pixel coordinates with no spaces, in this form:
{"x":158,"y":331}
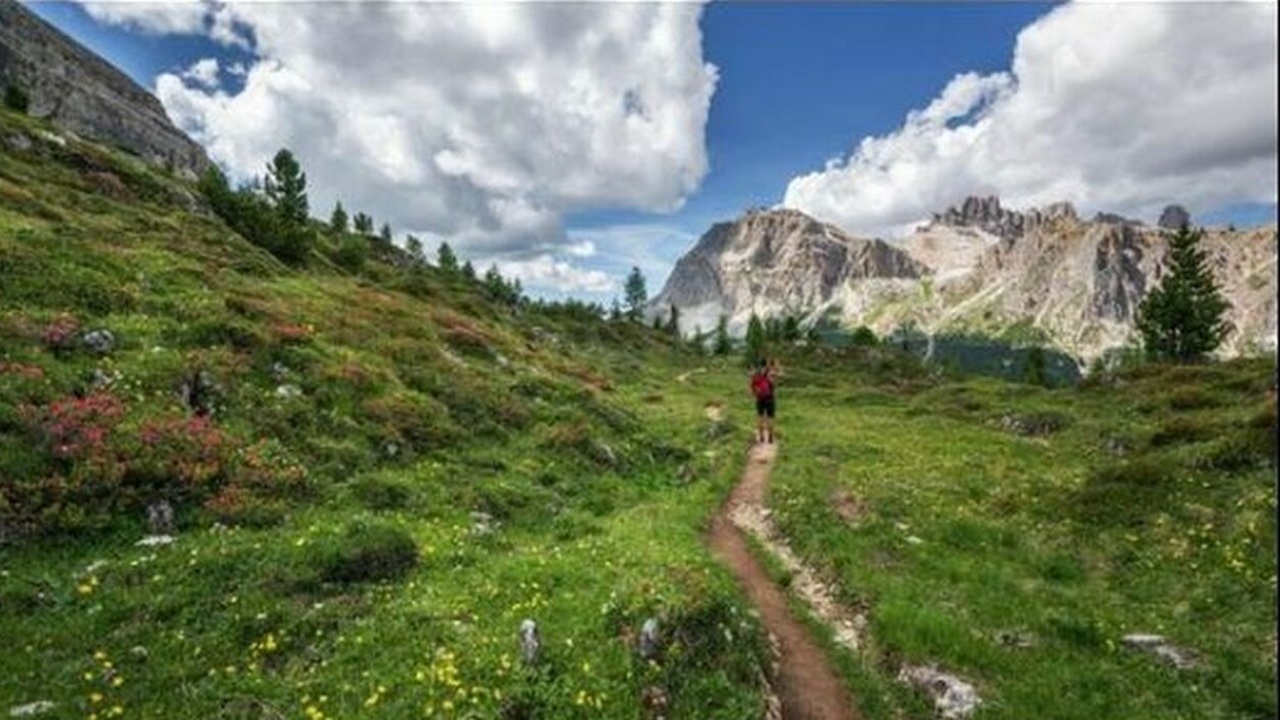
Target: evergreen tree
{"x":657,"y":322}
{"x":615,"y":311}
{"x":286,"y":188}
{"x":791,"y":329}
{"x":363,"y":223}
{"x":722,"y":345}
{"x":445,"y":258}
{"x":755,"y":339}
{"x":385,"y":233}
{"x":1183,"y":319}
{"x":468,"y":271}
{"x":635,"y":294}
{"x":16,"y":99}
{"x":414,"y":247}
{"x":1035,"y":370}
{"x":494,"y":284}
{"x":338,"y":220}
{"x":673,"y":321}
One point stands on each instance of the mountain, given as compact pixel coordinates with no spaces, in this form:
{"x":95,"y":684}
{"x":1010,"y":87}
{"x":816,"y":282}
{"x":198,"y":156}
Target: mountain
{"x":81,"y":93}
{"x":1043,"y":274}
{"x":778,"y":262}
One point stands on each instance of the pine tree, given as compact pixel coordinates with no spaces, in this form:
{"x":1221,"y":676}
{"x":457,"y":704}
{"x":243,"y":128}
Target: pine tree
{"x":1183,"y":319}
{"x":673,"y":321}
{"x":446,"y":260}
{"x":338,"y":220}
{"x":385,"y":233}
{"x":363,"y":223}
{"x":635,"y":294}
{"x":414,"y":247}
{"x":722,"y":344}
{"x":286,"y":188}
{"x":755,"y":339}
{"x":468,"y":270}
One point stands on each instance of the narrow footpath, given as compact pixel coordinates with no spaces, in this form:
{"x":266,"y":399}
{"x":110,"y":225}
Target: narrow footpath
{"x":807,"y":685}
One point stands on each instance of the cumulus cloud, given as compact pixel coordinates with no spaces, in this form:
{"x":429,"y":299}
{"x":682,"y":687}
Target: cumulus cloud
{"x":203,"y":73}
{"x":483,"y":123}
{"x":1113,"y":107}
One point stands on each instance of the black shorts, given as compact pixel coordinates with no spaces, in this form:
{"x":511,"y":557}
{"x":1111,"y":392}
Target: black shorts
{"x":765,"y":406}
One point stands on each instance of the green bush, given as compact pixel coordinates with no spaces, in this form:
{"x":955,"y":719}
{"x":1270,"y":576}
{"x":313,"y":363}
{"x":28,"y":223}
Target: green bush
{"x":1125,"y":493}
{"x":16,"y":99}
{"x":1183,"y":430}
{"x":368,"y":552}
{"x":382,"y":493}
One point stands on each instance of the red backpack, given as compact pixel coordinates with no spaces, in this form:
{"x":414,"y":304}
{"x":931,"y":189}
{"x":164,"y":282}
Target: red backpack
{"x":761,"y":385}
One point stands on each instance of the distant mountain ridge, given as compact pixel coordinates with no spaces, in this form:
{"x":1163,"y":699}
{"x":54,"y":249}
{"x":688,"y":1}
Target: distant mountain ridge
{"x":1042,"y":274}
{"x":84,"y":94}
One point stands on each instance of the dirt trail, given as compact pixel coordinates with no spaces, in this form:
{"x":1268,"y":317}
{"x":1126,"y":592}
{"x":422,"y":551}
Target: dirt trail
{"x":807,"y":684}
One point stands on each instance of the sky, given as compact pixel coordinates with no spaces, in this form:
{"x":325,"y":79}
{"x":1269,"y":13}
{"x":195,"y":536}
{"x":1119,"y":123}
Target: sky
{"x":567,"y":142}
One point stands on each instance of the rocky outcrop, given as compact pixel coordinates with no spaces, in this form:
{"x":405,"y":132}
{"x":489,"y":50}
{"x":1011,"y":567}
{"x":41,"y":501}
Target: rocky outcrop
{"x":1041,"y":273}
{"x":774,"y":263}
{"x":986,"y":214}
{"x":83,"y":94}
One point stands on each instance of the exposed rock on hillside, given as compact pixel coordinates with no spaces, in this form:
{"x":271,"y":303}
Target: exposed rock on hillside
{"x":1042,"y":273}
{"x":776,"y":262}
{"x":81,"y":93}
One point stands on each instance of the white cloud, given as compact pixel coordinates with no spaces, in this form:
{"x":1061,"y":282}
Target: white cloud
{"x":176,"y":17}
{"x":203,"y":73}
{"x":486,"y":123}
{"x":546,"y":273}
{"x":1115,"y":107}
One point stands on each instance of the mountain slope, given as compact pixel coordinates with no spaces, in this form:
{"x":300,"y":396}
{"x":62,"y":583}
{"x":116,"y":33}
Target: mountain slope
{"x":774,"y":262}
{"x":1043,"y":274}
{"x":83,"y":94}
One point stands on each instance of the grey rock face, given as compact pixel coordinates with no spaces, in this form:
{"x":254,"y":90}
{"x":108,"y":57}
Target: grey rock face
{"x":83,"y":94}
{"x":1174,"y":217}
{"x":986,"y":214}
{"x":773,"y":262}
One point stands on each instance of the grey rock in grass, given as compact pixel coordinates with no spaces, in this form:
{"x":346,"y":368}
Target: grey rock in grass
{"x":650,"y":643}
{"x":288,"y":391}
{"x":99,"y":341}
{"x":160,"y":518}
{"x":156,"y":540}
{"x":482,"y":523}
{"x":197,"y":392}
{"x":530,"y":641}
{"x":1157,"y":645}
{"x":19,"y":142}
{"x":32,"y":709}
{"x":952,"y":697}
{"x":279,"y":371}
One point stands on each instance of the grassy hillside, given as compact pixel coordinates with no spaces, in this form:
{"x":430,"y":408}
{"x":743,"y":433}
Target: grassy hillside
{"x":379,"y":474}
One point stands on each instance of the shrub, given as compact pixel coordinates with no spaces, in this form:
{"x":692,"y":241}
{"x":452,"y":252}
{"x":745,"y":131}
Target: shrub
{"x":369,"y":552}
{"x":1181,"y":430}
{"x":16,"y":99}
{"x":60,"y":335}
{"x":382,"y":493}
{"x":1124,"y":493}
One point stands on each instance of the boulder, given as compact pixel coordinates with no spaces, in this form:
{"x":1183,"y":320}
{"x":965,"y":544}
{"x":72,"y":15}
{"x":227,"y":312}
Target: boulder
{"x":1174,"y":217}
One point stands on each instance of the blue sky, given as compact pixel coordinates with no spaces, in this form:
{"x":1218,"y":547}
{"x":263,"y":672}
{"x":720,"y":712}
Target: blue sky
{"x":796,"y":88}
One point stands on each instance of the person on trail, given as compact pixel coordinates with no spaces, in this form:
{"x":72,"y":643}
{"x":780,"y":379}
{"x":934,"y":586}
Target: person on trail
{"x":762,"y":388}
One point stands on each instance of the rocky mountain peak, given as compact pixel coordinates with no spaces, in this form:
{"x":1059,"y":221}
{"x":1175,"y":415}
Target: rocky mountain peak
{"x":986,"y":214}
{"x":83,"y":94}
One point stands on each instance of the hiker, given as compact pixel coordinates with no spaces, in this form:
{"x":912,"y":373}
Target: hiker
{"x":762,"y":388}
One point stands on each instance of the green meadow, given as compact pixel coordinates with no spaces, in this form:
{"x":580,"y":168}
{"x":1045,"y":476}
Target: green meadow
{"x":380,"y":470}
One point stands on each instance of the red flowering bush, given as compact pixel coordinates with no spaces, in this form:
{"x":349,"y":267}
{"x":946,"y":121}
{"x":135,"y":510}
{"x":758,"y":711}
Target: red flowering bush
{"x":293,"y":334}
{"x":61,"y":333}
{"x":178,"y":457}
{"x":261,"y":477}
